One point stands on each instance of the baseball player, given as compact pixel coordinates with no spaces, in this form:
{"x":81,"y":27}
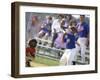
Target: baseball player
{"x":56,"y":27}
{"x":83,"y":33}
{"x":70,"y":51}
{"x":58,"y":43}
{"x":46,"y":27}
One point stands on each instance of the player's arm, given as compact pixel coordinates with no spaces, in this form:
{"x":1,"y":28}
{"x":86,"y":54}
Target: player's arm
{"x":65,"y":38}
{"x":68,"y":40}
{"x":79,"y":28}
{"x":43,"y":25}
{"x":77,"y":43}
{"x":76,"y":38}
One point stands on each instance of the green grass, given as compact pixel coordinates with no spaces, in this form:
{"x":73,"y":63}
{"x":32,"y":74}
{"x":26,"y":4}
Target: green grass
{"x":46,"y":61}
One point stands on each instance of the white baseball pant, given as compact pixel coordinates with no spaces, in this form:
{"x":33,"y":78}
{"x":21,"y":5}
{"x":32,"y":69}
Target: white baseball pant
{"x":68,"y":57}
{"x":82,"y":42}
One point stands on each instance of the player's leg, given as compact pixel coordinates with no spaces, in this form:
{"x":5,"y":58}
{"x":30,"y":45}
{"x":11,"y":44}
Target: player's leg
{"x":63,"y":60}
{"x":82,"y":42}
{"x":71,"y":56}
{"x":41,"y":34}
{"x":46,"y":38}
{"x":78,"y":49}
{"x":68,"y":57}
{"x":46,"y":35}
{"x":83,"y":49}
{"x":69,"y":61}
{"x":28,"y":60}
{"x":54,"y":36}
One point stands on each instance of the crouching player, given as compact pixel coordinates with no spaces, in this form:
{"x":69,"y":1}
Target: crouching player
{"x":30,"y":51}
{"x":70,"y":51}
{"x":46,"y":28}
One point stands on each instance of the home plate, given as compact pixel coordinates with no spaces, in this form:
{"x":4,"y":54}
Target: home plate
{"x":34,"y":64}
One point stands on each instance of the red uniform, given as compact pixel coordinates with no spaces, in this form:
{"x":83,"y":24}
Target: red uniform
{"x":31,"y":51}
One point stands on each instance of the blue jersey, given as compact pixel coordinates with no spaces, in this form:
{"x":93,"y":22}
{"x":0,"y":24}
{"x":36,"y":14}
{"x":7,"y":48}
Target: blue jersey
{"x":70,"y":40}
{"x":47,"y":26}
{"x":84,"y":27}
